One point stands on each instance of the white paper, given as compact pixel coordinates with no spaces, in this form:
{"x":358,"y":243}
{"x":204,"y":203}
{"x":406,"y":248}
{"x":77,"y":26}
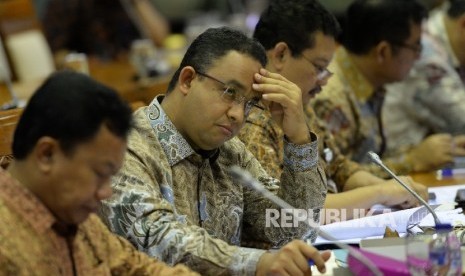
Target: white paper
{"x":352,"y":231}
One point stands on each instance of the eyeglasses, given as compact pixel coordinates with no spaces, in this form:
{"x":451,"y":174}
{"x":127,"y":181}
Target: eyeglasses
{"x":321,"y":72}
{"x":415,"y":48}
{"x":232,"y":96}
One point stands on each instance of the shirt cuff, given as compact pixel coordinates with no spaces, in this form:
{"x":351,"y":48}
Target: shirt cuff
{"x":301,"y":157}
{"x":245,"y":261}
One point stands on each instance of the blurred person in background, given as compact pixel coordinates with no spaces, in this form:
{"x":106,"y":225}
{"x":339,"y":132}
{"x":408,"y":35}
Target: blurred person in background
{"x":432,"y":98}
{"x":382,"y":41}
{"x":180,"y":12}
{"x":103,"y":28}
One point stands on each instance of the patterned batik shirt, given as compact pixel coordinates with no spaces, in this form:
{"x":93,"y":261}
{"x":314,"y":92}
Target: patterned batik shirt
{"x":32,"y":243}
{"x":432,"y":98}
{"x":351,"y":108}
{"x":179,"y":205}
{"x":265,"y":139}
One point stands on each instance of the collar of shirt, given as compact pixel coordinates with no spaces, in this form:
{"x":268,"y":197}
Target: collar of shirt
{"x":174,"y":145}
{"x":435,"y":26}
{"x":362,"y":88}
{"x":25,"y":203}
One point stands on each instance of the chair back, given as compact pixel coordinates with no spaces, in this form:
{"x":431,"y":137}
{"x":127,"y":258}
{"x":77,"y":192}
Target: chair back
{"x":8,"y":121}
{"x":26,"y":47}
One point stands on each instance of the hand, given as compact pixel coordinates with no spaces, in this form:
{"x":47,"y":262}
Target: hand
{"x":292,"y":259}
{"x":419,"y":188}
{"x":393,"y":193}
{"x":458,"y":145}
{"x":434,"y":152}
{"x":285,"y":102}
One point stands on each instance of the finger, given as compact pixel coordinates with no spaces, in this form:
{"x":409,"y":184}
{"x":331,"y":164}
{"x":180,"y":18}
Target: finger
{"x":326,"y":255}
{"x":312,"y":253}
{"x":297,"y":257}
{"x":260,"y":79}
{"x":277,"y":84}
{"x":289,"y":91}
{"x":270,"y":75}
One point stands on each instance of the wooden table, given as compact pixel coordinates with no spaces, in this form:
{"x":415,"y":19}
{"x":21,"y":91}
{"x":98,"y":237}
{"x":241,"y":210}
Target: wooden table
{"x":431,"y":179}
{"x":118,"y":74}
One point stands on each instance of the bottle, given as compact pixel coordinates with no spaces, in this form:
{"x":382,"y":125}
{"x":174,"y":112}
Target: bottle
{"x":439,"y":251}
{"x":455,"y":255}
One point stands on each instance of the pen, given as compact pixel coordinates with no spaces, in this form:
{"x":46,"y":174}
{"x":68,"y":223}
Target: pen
{"x":311,"y":263}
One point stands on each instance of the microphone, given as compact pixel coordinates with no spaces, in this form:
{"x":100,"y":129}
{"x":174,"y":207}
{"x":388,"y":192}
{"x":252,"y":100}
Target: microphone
{"x":375,"y":159}
{"x":247,"y":180}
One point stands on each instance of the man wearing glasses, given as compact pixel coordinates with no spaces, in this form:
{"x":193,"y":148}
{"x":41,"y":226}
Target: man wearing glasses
{"x":303,"y":60}
{"x":380,"y":45}
{"x":432,"y":98}
{"x":174,"y":198}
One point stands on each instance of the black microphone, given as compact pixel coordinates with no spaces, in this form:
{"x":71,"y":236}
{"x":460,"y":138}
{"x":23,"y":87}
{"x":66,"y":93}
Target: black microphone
{"x":247,"y":180}
{"x":375,"y":159}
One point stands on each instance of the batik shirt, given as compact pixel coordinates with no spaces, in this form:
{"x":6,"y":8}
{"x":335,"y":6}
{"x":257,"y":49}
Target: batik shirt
{"x":265,"y":139}
{"x":179,"y":205}
{"x":432,"y":98}
{"x":31,"y":243}
{"x":350,"y":106}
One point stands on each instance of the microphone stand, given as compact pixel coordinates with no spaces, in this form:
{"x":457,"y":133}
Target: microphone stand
{"x":375,"y":159}
{"x":247,"y":180}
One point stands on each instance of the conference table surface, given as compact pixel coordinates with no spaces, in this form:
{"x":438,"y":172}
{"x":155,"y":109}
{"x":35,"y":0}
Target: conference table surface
{"x":432,"y":179}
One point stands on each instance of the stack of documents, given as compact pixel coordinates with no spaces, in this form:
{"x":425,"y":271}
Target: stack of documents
{"x":352,"y":231}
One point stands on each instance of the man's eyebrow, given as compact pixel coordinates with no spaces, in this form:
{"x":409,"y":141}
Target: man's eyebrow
{"x":321,"y":59}
{"x":236,"y":84}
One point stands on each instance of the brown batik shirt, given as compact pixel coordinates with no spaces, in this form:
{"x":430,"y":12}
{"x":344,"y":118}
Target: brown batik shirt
{"x":32,"y":243}
{"x":265,"y":139}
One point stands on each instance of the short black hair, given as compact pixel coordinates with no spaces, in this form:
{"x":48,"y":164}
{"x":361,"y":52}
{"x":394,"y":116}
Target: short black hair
{"x":295,"y":22}
{"x":372,"y":21}
{"x":215,"y":43}
{"x":456,"y":8}
{"x":70,"y":107}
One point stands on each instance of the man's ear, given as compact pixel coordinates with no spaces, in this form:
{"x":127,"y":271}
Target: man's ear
{"x":383,"y":52}
{"x":279,"y":55}
{"x":45,"y":153}
{"x":186,"y":76}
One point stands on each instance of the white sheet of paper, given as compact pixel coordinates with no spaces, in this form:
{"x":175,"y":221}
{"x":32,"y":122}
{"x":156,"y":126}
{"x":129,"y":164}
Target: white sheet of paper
{"x":352,"y":231}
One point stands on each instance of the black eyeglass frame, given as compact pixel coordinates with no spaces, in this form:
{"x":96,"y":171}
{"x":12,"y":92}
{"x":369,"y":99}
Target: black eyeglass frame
{"x":417,"y":49}
{"x":239,"y":99}
{"x":322,"y":73}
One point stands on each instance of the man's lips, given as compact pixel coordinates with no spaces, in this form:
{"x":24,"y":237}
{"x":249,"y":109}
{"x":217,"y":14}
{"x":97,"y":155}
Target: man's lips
{"x":228,"y":130}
